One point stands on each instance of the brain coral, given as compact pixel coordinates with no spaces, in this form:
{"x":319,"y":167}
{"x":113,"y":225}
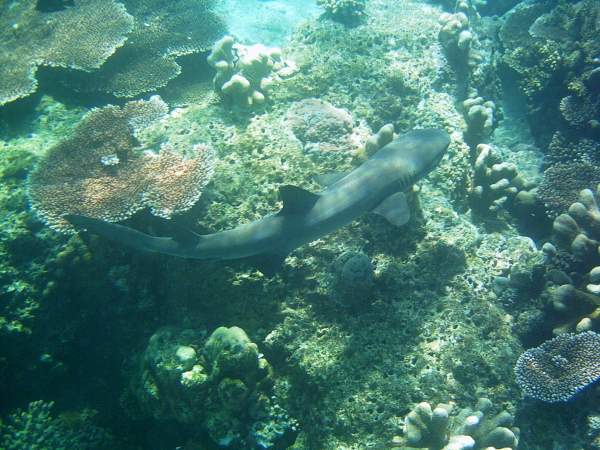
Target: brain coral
{"x":162,"y":32}
{"x":316,"y":121}
{"x":99,"y":171}
{"x":560,"y":368}
{"x":81,"y":36}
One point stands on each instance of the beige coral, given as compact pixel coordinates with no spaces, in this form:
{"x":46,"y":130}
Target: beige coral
{"x":81,"y":36}
{"x":101,"y":172}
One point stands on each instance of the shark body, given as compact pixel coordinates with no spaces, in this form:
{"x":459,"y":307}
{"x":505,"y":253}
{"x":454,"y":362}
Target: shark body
{"x":375,"y":186}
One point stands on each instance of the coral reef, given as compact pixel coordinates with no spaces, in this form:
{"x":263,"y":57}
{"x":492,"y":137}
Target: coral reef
{"x":435,"y":428}
{"x":100,"y":173}
{"x":221,"y":383}
{"x":348,"y":12}
{"x":560,"y":368}
{"x":36,"y":429}
{"x":162,"y":32}
{"x":80,"y":37}
{"x":242,"y":72}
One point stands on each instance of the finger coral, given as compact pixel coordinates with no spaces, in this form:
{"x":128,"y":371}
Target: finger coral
{"x":436,"y":428}
{"x":101,"y":171}
{"x":560,"y":368}
{"x":242,"y":72}
{"x":81,"y":36}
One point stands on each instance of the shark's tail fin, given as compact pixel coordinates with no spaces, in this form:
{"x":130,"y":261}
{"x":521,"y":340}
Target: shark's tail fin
{"x":133,"y":238}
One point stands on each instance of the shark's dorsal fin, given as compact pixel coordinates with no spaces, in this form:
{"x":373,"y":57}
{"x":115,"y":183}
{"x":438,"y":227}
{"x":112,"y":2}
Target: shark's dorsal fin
{"x":395,"y":209}
{"x":327,"y":179}
{"x":267,"y":263}
{"x":296,"y":200}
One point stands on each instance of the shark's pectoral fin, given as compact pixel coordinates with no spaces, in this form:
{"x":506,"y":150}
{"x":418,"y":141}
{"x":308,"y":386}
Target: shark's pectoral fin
{"x":296,"y":200}
{"x":180,"y":233}
{"x":327,"y":179}
{"x":268,"y":263}
{"x":395,"y":209}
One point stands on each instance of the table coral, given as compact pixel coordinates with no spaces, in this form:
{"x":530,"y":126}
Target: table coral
{"x":162,"y":31}
{"x":81,"y":36}
{"x":101,"y":171}
{"x":560,"y":368}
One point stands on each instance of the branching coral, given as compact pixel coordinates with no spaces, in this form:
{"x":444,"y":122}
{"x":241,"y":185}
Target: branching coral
{"x":242,"y":72}
{"x":560,"y":368}
{"x":81,"y":36}
{"x":101,"y":173}
{"x":162,"y":32}
{"x":435,"y":429}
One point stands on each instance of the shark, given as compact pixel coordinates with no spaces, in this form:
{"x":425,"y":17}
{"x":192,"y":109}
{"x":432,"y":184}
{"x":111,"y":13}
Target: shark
{"x":378,"y":185}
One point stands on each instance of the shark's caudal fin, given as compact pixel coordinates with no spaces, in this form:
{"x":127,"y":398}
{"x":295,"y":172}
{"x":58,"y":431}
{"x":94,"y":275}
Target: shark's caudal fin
{"x":296,"y":200}
{"x":133,"y":238}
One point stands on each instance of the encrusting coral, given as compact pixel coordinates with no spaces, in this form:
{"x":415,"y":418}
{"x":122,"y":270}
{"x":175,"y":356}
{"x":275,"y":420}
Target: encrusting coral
{"x":101,"y":172}
{"x":81,"y":36}
{"x":560,"y":368}
{"x":242,"y":72}
{"x":470,"y":429}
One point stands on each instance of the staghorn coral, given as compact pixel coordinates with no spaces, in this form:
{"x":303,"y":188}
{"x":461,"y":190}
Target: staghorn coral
{"x":100,"y":171}
{"x":162,"y":32}
{"x":221,"y":383}
{"x":81,"y":36}
{"x":242,"y":72}
{"x":560,"y":368}
{"x":435,"y":429}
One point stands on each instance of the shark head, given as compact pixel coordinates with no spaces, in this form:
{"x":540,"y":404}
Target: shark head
{"x":424,"y":149}
{"x":414,"y":154}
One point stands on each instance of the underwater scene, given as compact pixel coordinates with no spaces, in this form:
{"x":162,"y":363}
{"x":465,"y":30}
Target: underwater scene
{"x":299,"y":224}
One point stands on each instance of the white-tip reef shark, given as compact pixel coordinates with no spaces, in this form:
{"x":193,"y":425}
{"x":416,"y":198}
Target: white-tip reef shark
{"x":378,"y":185}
